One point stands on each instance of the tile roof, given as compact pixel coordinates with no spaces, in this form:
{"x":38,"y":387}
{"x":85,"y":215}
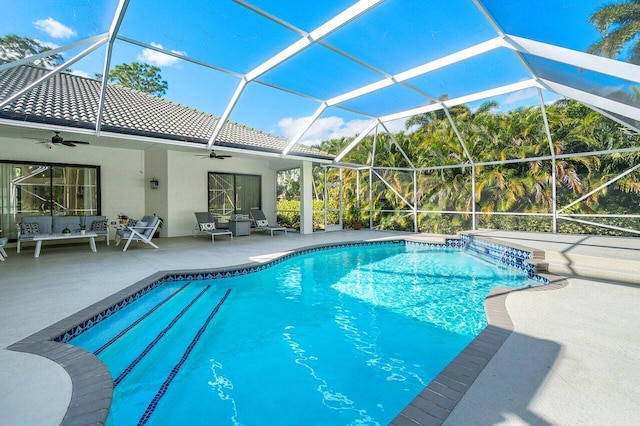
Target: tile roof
{"x":71,"y":100}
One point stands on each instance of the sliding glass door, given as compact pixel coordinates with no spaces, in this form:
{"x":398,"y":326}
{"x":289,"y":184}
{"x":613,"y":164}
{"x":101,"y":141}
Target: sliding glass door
{"x":234,"y":193}
{"x":28,"y":189}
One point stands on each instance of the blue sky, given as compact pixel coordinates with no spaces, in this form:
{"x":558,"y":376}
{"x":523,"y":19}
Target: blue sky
{"x":392,"y":37}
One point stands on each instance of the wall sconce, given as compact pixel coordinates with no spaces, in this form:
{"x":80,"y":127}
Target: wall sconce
{"x":154,"y":183}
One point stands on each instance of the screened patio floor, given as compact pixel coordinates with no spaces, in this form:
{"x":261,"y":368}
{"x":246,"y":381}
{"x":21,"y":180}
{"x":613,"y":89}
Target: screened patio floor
{"x":573,"y":358}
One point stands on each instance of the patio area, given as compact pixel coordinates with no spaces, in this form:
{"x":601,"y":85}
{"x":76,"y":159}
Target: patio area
{"x":573,"y":357}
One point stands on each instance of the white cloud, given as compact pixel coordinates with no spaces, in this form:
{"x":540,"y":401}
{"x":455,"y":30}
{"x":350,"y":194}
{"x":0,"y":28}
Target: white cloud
{"x":54,"y":28}
{"x":519,"y":96}
{"x":159,"y":59}
{"x":323,"y":129}
{"x":81,"y":73}
{"x":329,"y":128}
{"x":396,"y":126}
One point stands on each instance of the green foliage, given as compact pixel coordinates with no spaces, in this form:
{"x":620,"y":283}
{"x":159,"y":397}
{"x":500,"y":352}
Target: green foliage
{"x":289,"y":214}
{"x":619,"y":25}
{"x":354,"y":213}
{"x":138,"y":76}
{"x":523,"y":187}
{"x":14,"y":47}
{"x":288,"y":184}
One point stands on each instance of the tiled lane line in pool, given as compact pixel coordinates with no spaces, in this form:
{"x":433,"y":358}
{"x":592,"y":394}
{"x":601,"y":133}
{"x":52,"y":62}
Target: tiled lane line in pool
{"x":160,"y":335}
{"x":139,"y":320}
{"x":91,"y":396}
{"x":174,"y":371}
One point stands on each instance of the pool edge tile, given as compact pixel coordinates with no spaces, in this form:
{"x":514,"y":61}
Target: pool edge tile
{"x":451,"y":384}
{"x":96,"y":380}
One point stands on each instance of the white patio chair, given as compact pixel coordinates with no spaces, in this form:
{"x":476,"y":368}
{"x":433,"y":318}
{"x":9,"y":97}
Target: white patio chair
{"x":207,"y":225}
{"x":262,"y":224}
{"x":3,"y":253}
{"x":143,"y":231}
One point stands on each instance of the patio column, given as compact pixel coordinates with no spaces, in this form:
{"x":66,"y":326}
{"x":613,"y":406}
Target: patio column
{"x":306,"y":198}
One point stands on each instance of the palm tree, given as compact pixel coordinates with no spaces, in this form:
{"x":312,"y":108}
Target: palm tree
{"x":619,"y":24}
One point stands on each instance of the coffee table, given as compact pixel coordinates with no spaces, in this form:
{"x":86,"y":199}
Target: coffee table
{"x":75,"y":236}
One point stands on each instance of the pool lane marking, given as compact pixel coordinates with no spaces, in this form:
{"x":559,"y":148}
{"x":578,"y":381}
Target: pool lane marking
{"x":174,"y":371}
{"x":160,"y":335}
{"x":138,"y":321}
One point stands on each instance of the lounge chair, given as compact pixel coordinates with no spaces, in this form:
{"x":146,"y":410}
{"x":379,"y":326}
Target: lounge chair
{"x":262,"y":224}
{"x":143,"y":230}
{"x":207,"y":225}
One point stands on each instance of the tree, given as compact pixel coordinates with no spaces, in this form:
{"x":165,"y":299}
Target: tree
{"x":139,"y":76}
{"x":619,"y":24}
{"x":288,"y":184}
{"x":14,"y":47}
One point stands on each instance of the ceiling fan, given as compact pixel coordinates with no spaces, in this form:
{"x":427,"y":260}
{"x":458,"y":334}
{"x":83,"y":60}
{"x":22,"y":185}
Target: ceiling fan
{"x":58,"y":140}
{"x":213,"y":154}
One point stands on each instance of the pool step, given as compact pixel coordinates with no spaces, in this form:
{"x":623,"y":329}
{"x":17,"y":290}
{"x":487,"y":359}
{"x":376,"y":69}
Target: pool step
{"x":580,"y":265}
{"x":430,"y":238}
{"x":625,"y":271}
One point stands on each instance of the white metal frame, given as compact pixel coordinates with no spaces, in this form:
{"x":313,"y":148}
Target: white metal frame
{"x":520,"y":46}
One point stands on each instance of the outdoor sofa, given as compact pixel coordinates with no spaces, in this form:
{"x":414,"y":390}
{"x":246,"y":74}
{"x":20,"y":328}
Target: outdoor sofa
{"x":30,"y":226}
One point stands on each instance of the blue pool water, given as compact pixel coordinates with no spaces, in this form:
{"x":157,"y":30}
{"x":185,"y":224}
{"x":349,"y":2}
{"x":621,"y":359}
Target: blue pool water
{"x":340,"y":336}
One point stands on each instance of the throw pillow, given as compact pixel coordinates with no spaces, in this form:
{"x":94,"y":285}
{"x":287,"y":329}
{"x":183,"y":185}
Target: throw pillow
{"x":132,"y":222}
{"x":262,"y":223}
{"x":99,"y":226}
{"x":30,"y":228}
{"x":209,"y":226}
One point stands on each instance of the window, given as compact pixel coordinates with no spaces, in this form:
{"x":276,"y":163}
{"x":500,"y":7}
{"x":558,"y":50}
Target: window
{"x":29,"y":189}
{"x":234,"y":193}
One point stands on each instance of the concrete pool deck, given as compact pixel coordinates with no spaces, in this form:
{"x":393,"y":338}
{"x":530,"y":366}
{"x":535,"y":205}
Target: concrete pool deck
{"x":573,"y":358}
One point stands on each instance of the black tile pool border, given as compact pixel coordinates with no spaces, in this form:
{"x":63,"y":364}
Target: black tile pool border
{"x":92,"y":384}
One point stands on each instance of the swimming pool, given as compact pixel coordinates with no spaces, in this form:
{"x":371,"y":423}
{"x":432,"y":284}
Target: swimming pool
{"x":338,"y":337}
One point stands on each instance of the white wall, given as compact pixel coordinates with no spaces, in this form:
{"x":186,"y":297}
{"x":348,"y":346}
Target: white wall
{"x":187,"y":191}
{"x":125,"y":176}
{"x":156,"y":200}
{"x":121,"y":170}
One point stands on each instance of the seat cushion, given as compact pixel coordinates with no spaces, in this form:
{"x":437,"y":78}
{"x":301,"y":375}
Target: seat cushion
{"x":72,"y":223}
{"x":140,"y":226}
{"x":147,"y":218}
{"x":153,"y":221}
{"x":123,"y":233}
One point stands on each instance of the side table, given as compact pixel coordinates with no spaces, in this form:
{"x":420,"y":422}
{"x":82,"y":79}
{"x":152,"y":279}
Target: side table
{"x":240,"y":227}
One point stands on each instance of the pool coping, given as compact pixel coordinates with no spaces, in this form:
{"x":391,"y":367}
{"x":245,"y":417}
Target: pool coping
{"x":92,"y":384}
{"x":439,"y":398}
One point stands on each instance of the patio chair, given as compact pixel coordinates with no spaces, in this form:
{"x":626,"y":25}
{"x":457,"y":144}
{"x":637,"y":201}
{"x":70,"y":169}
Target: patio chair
{"x":143,"y":231}
{"x":262,"y":224}
{"x":207,"y":225}
{"x":3,"y":254}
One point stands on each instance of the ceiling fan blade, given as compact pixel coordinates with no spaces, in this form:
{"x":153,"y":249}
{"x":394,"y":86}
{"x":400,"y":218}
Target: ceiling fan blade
{"x":67,"y":143}
{"x":212,"y":155}
{"x":78,"y":142}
